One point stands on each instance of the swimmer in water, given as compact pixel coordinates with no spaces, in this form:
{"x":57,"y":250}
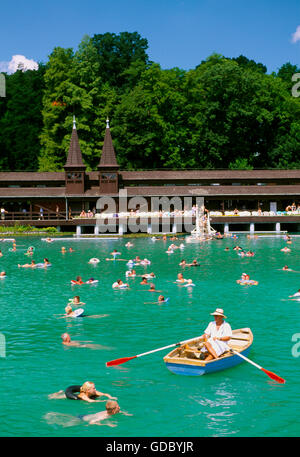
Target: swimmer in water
{"x":152,"y":288}
{"x":285,"y":249}
{"x":148,"y":275}
{"x":2,"y":274}
{"x":69,"y":311}
{"x":144,"y":282}
{"x":297,"y":294}
{"x":46,"y":263}
{"x":79,"y":280}
{"x":131,"y":274}
{"x":87,"y":393}
{"x":145,"y":262}
{"x":161,"y":300}
{"x":193,"y":264}
{"x":91,"y":281}
{"x":71,"y":250}
{"x":28,"y":265}
{"x":182,"y":263}
{"x":75,"y":301}
{"x":63,"y":250}
{"x":94,"y":260}
{"x":238,"y":248}
{"x":120,"y":284}
{"x":111,"y":408}
{"x":180,"y":279}
{"x":189,"y":283}
{"x":66,"y":340}
{"x":128,"y":245}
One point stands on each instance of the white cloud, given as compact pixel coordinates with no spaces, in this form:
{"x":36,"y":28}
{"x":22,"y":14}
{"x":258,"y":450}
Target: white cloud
{"x":18,"y":62}
{"x":296,"y":35}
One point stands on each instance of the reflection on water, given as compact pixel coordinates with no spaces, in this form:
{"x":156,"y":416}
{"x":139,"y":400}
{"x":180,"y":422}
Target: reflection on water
{"x":218,"y":410}
{"x":65,"y":420}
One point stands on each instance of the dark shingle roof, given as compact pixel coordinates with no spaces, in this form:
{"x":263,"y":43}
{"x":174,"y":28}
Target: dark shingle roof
{"x":74,"y":159}
{"x":108,"y":156}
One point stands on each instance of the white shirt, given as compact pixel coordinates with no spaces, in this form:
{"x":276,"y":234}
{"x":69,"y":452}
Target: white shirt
{"x":224,"y":330}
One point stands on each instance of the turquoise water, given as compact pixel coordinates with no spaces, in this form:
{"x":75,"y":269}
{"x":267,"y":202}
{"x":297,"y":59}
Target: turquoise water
{"x":241,"y":401}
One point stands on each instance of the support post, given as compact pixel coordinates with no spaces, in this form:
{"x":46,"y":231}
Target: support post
{"x":78,"y":230}
{"x":252,"y":227}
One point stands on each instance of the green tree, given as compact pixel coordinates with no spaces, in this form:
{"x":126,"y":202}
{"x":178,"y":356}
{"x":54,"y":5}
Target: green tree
{"x":21,"y":120}
{"x":116,"y":53}
{"x":148,"y":123}
{"x":60,"y":99}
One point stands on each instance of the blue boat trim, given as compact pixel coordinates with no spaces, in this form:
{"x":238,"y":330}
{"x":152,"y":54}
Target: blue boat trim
{"x":195,"y":367}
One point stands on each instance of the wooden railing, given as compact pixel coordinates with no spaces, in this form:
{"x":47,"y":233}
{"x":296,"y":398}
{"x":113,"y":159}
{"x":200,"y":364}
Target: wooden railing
{"x":33,"y":215}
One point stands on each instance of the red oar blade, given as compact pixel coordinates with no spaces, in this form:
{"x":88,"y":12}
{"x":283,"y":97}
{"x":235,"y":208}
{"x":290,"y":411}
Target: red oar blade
{"x":274,"y":376}
{"x":119,"y":361}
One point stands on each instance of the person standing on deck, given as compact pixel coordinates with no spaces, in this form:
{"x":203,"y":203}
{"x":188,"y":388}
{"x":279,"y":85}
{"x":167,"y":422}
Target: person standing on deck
{"x":216,"y":336}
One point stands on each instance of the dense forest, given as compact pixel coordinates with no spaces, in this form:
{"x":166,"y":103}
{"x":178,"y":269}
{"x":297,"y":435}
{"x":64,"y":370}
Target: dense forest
{"x":225,"y":113}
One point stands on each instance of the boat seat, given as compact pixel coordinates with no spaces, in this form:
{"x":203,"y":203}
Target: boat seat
{"x":234,"y":347}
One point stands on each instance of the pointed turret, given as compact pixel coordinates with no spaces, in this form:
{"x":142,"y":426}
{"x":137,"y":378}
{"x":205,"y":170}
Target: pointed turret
{"x":74,"y":166}
{"x":74,"y":158}
{"x":108,"y":166}
{"x":108,"y":156}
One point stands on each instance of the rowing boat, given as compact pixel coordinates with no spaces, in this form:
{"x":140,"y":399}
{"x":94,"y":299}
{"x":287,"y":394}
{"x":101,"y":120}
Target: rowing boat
{"x":185,"y":359}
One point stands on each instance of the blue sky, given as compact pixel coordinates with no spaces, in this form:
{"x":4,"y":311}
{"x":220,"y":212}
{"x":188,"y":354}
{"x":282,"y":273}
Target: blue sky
{"x":180,"y":33}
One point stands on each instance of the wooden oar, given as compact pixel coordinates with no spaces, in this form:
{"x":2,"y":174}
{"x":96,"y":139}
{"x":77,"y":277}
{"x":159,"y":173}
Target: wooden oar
{"x":126,"y":359}
{"x":271,"y":375}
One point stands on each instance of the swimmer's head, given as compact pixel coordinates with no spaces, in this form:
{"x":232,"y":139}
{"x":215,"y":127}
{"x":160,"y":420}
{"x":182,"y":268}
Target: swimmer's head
{"x":88,"y":388}
{"x":66,"y":337}
{"x":112,"y":407}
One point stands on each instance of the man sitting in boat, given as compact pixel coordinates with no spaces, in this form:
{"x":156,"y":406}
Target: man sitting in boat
{"x":216,"y":336}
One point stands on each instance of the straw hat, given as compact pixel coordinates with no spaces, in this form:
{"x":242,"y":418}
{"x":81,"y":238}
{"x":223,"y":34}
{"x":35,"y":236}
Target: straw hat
{"x":218,"y":312}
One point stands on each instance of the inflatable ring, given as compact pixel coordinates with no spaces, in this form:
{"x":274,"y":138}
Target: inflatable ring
{"x":70,"y":392}
{"x":78,"y":312}
{"x":94,"y":260}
